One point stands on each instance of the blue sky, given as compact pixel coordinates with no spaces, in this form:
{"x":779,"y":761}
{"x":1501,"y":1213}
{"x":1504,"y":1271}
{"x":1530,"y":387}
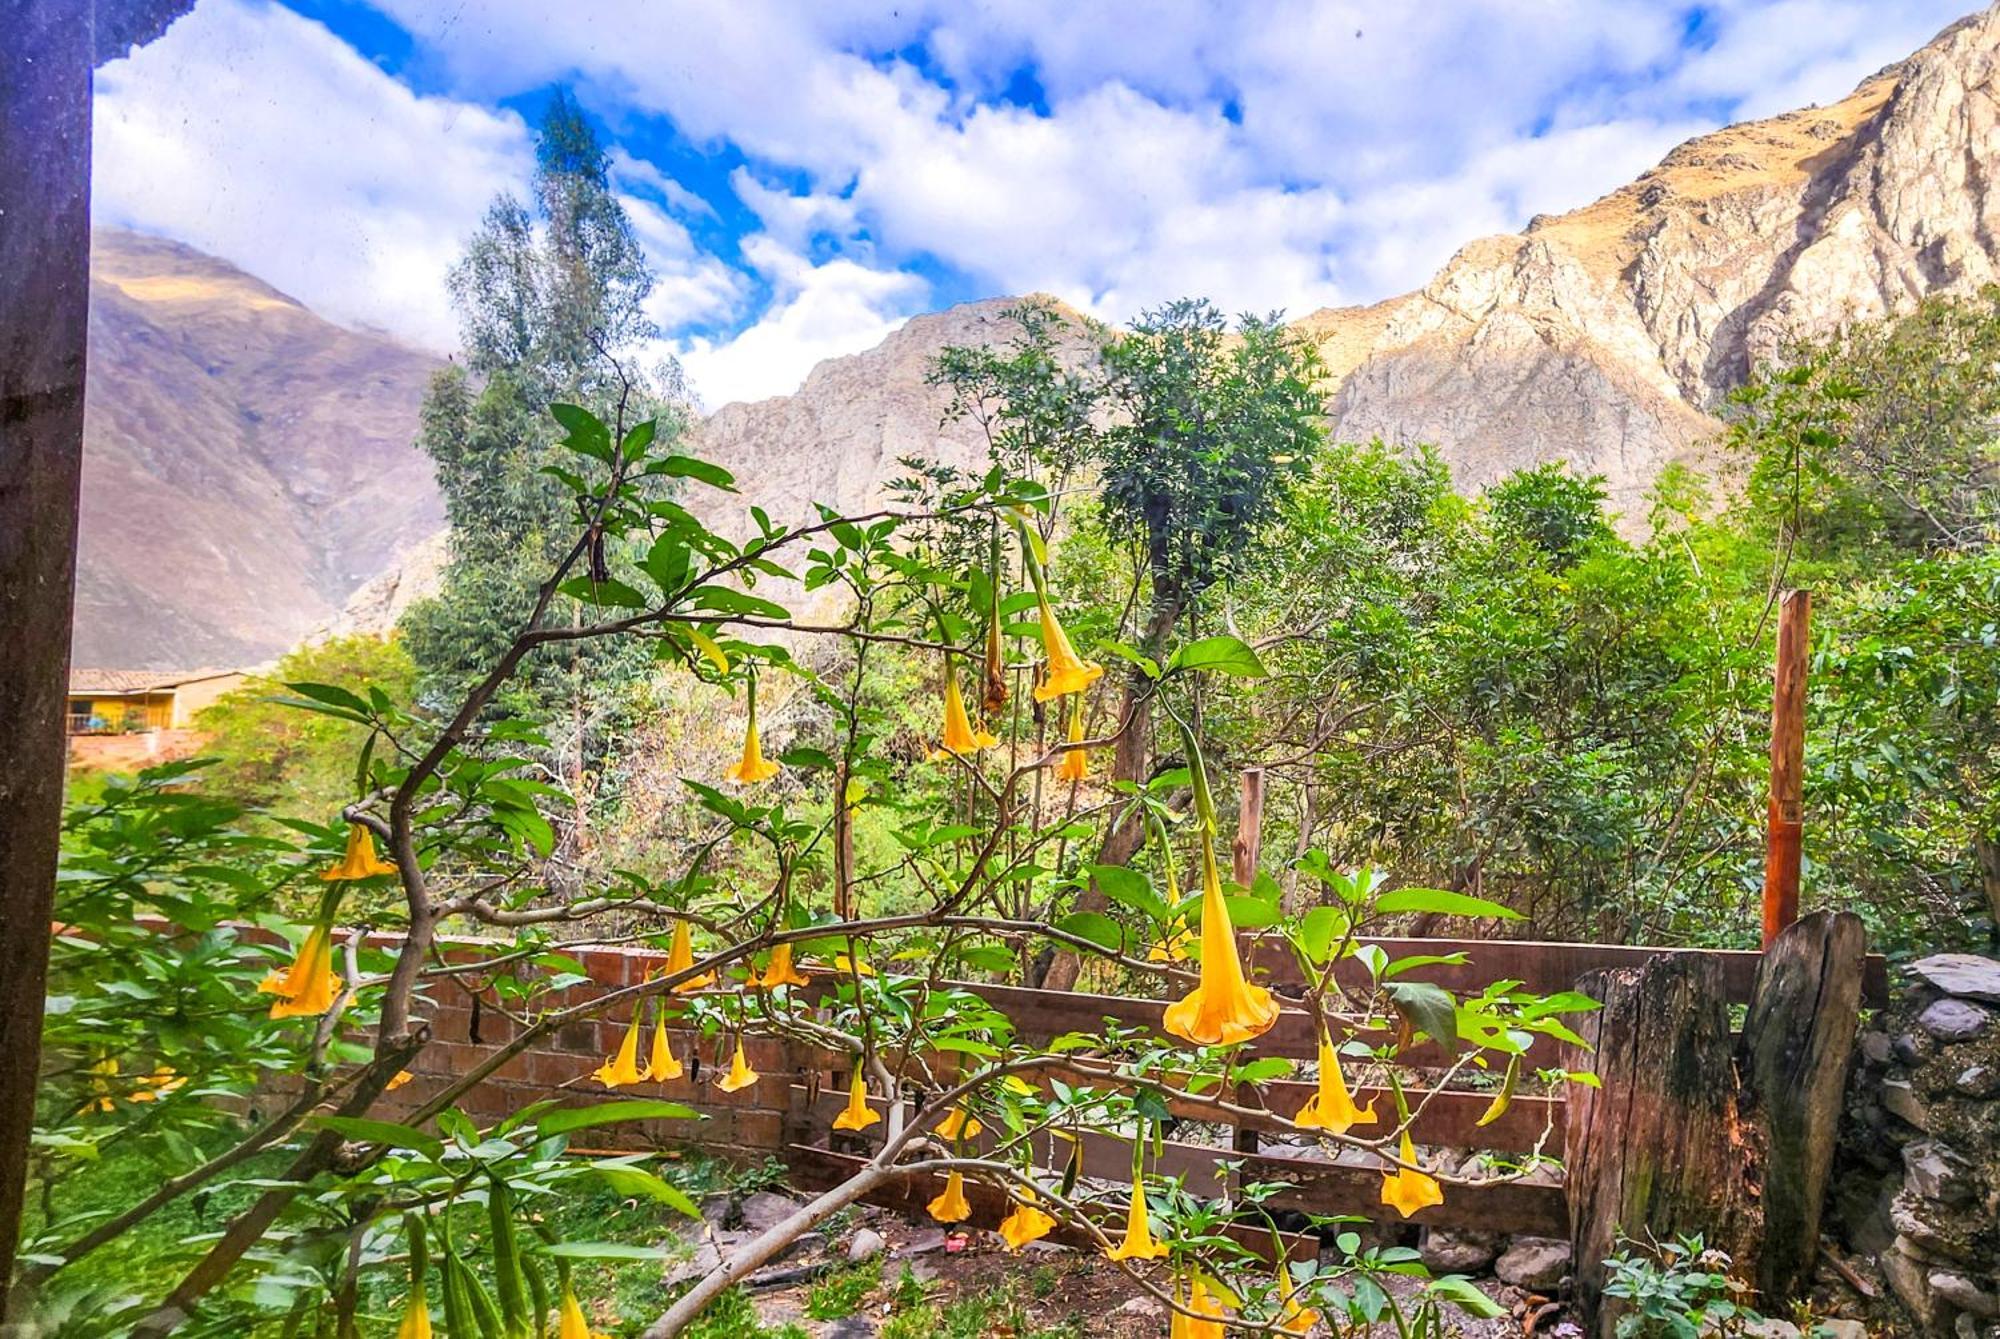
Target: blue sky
{"x":807,"y":175}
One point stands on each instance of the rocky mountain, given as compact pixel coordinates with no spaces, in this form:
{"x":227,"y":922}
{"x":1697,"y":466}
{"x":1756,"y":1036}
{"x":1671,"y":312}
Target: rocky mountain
{"x":250,"y":468}
{"x":1605,"y":337}
{"x":1608,"y":336}
{"x":247,"y":464}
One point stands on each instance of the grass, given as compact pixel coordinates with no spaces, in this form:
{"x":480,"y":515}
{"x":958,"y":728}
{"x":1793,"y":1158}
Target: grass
{"x":841,"y":1294}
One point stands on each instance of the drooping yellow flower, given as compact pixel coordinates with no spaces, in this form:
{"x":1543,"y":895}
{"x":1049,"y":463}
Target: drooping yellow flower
{"x":1027,"y":1223}
{"x":1173,"y":944}
{"x":1066,"y":672}
{"x":662,"y":1064}
{"x":1294,"y":1316}
{"x":159,"y":1083}
{"x":779,"y":971}
{"x":959,"y":737}
{"x":623,"y":1067}
{"x":1206,"y":1323}
{"x":1332,"y":1108}
{"x":752,"y":767}
{"x":101,"y":1074}
{"x":740,"y":1073}
{"x":857,"y":1116}
{"x":959,"y":1124}
{"x":1223,"y":1008}
{"x":951,"y":1206}
{"x":416,"y":1322}
{"x":570,"y":1320}
{"x":308,"y":987}
{"x":680,"y":958}
{"x":1138,"y":1243}
{"x":1406,"y":1190}
{"x":360,"y":861}
{"x":1075,"y":764}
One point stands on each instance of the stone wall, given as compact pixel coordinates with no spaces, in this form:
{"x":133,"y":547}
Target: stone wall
{"x":1917,"y":1185}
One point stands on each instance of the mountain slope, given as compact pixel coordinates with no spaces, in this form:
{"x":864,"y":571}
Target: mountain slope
{"x":246,"y":463}
{"x":1606,"y":337}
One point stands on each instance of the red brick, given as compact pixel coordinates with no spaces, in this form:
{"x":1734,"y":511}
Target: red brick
{"x":760,"y":1129}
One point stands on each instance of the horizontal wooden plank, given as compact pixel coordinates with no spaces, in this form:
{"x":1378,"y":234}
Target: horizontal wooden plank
{"x":1350,"y":1188}
{"x":818,"y":1169}
{"x":1543,"y":966}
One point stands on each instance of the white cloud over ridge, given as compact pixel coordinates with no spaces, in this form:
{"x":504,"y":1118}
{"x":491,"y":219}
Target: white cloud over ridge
{"x":1285,"y":153}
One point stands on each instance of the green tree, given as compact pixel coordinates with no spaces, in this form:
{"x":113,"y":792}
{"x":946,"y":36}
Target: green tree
{"x":270,"y":755}
{"x":551,"y":303}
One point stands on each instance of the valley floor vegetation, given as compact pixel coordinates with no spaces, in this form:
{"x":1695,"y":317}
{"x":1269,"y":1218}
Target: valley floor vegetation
{"x":829,"y":765}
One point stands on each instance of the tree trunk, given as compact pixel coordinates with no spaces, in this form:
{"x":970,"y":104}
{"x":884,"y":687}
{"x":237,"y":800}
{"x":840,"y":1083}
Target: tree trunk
{"x":1987,"y":851}
{"x":1658,"y":1148}
{"x":1674,"y":1143}
{"x":1797,"y":1042}
{"x":1130,"y":761}
{"x":44,"y":311}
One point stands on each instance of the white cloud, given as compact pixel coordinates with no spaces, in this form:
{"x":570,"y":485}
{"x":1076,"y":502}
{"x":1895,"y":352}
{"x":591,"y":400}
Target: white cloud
{"x":257,"y":135}
{"x":817,"y":312}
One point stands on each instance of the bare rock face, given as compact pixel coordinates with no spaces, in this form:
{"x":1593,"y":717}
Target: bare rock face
{"x":246,"y":463}
{"x":1607,"y":337}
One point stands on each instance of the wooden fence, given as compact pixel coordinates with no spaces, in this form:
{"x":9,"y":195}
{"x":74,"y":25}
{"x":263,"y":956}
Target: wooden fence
{"x":788,"y":1113}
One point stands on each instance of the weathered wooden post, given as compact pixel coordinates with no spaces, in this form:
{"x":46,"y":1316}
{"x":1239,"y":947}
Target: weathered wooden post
{"x":1788,"y":755}
{"x":1691,"y":1133}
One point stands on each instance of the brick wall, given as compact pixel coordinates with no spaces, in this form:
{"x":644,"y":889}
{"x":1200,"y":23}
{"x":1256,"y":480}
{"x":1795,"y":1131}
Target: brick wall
{"x":749,"y":1123}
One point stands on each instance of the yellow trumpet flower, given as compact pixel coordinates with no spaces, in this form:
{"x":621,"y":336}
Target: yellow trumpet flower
{"x":416,"y":1322}
{"x":159,"y":1083}
{"x":1138,"y":1243}
{"x":960,"y":737}
{"x":1332,"y":1108}
{"x":752,"y":768}
{"x":740,"y":1073}
{"x":1205,"y":1324}
{"x":570,"y":1320}
{"x":1027,"y":1223}
{"x":1294,"y":1317}
{"x":1067,"y":672}
{"x":779,"y":971}
{"x":1075,"y":764}
{"x":959,"y":1124}
{"x":360,"y":861}
{"x":951,"y":1206}
{"x":1224,"y":1008}
{"x":307,"y":988}
{"x":857,"y":1116}
{"x":680,"y":957}
{"x":1406,"y":1190}
{"x":662,"y":1065}
{"x":623,"y":1067}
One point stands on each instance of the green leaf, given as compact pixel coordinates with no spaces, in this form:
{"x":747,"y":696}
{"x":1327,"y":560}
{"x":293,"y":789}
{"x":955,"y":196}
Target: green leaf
{"x":687,"y":467}
{"x":1416,"y":960}
{"x":382,"y":1132}
{"x":332,"y":695}
{"x":645,"y":1185}
{"x":1461,"y":1293}
{"x":1317,"y":931}
{"x":707,"y":645}
{"x":1440,"y":902}
{"x":1131,"y":654}
{"x":606,"y":1250}
{"x":587,"y":433}
{"x":564,"y":1119}
{"x":1429,"y":1010}
{"x":1251,"y":913}
{"x":640,"y":437}
{"x":1130,"y":888}
{"x":723,"y":600}
{"x":1262,"y":1071}
{"x":607,"y":593}
{"x":1223,"y":654}
{"x":1096,"y":927}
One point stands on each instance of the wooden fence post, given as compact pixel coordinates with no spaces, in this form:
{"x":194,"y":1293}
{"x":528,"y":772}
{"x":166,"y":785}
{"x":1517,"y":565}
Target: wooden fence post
{"x":1788,"y":750}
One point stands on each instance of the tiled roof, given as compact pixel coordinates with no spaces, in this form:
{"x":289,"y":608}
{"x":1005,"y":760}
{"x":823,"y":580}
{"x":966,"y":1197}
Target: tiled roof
{"x":136,"y":681}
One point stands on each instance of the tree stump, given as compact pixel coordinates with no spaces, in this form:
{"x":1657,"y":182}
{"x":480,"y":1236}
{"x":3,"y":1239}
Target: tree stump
{"x":1658,"y":1149}
{"x":1693,"y":1132}
{"x":1797,"y":1044}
